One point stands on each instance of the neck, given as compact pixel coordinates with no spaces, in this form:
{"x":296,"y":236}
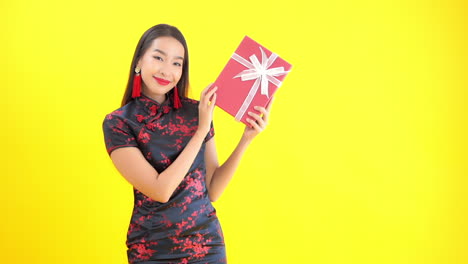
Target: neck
{"x":160,"y":98}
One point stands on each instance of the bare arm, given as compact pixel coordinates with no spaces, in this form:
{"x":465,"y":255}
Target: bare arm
{"x":218,"y":177}
{"x":133,"y":166}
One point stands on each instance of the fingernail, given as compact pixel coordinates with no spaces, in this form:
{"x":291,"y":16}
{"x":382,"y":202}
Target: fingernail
{"x":250,"y":113}
{"x":248,"y":119}
{"x":257,"y":107}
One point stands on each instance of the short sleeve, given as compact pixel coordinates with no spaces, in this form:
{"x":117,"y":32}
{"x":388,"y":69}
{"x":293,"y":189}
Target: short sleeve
{"x":210,"y":134}
{"x":117,"y":133}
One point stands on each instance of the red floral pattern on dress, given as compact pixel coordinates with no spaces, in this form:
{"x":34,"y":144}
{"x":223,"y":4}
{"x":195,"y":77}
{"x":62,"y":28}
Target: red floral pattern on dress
{"x":186,"y":228}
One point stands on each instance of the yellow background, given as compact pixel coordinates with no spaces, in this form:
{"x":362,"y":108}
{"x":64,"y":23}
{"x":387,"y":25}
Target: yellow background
{"x":364,"y":160}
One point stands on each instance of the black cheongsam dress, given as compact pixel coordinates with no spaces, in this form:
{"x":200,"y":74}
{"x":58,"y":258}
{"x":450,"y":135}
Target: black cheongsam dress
{"x":185,"y":229}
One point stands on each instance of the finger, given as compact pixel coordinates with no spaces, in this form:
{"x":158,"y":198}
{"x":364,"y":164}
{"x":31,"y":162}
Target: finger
{"x":254,"y":125}
{"x":207,"y":97}
{"x":264,"y":112}
{"x":207,"y":88}
{"x":210,"y":93}
{"x":204,"y":91}
{"x":258,"y":119}
{"x":213,"y":102}
{"x":202,"y":95}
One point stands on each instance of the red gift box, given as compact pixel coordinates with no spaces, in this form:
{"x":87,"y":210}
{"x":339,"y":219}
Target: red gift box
{"x":250,"y":78}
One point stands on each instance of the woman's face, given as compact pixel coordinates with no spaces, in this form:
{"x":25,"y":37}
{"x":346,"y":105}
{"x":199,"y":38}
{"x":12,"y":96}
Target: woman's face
{"x":161,"y":67}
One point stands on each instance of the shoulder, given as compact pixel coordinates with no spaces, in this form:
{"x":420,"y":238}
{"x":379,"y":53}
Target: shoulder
{"x":189,"y":105}
{"x":123,"y":113}
{"x":189,"y":102}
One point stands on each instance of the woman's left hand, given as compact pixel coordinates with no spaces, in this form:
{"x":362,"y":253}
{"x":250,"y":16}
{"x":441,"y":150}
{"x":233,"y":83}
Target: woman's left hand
{"x":258,"y":122}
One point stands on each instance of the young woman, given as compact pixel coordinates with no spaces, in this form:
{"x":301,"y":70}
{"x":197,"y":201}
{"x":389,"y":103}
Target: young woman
{"x":163,"y":144}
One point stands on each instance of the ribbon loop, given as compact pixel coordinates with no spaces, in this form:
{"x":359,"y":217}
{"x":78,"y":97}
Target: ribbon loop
{"x":260,"y":72}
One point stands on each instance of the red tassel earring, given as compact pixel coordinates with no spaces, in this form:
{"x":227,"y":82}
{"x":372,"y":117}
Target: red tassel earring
{"x":177,"y":103}
{"x":136,"y":91}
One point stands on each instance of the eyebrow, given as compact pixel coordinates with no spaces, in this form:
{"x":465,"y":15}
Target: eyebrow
{"x":165,"y":54}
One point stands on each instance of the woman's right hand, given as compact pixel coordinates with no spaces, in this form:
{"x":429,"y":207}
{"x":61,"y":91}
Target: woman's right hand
{"x":206,"y":107}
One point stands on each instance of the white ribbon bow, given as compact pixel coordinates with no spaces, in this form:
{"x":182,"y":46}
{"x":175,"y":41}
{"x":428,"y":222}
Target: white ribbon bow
{"x":260,"y":73}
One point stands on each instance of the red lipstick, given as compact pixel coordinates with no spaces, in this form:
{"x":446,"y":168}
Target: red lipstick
{"x":162,"y":81}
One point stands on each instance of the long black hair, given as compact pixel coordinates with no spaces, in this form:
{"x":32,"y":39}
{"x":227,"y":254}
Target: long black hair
{"x":161,"y":30}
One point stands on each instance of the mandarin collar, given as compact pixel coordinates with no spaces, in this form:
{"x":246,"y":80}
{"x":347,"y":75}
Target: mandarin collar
{"x":151,"y":107}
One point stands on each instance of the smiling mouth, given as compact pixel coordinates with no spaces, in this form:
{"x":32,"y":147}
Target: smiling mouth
{"x":162,"y":81}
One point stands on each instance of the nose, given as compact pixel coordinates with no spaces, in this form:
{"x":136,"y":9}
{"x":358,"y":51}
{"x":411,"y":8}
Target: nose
{"x":162,"y":72}
{"x":163,"y":69}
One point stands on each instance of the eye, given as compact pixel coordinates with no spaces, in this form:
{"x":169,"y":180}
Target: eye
{"x":158,"y":58}
{"x":178,"y":64}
